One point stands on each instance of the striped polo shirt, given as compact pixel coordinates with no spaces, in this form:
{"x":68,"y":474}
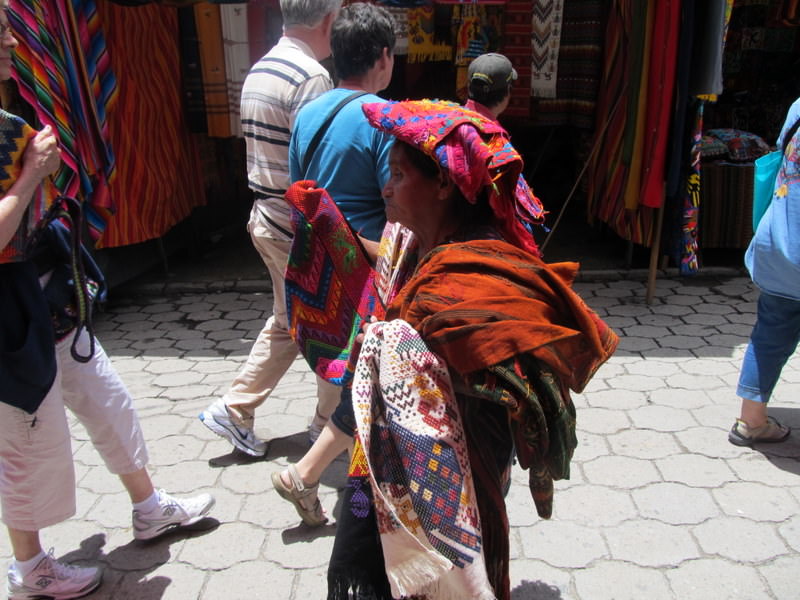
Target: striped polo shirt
{"x":277,"y":87}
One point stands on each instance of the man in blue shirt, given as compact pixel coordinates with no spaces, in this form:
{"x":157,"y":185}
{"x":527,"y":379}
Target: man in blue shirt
{"x":351,"y":163}
{"x":351,"y":160}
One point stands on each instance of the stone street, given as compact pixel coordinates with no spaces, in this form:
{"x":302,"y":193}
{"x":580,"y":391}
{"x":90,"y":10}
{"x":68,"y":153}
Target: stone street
{"x":659,"y":504}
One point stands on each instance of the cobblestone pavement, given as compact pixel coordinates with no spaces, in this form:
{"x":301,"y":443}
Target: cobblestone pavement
{"x":659,"y":505}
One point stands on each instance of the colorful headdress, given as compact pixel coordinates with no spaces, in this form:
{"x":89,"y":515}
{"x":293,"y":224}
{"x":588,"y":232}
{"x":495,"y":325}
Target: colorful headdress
{"x":476,"y":153}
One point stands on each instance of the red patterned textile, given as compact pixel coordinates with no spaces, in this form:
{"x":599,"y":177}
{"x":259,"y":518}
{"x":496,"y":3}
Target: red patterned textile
{"x":517,"y":46}
{"x":158,"y":181}
{"x":330,"y":284}
{"x":660,"y":88}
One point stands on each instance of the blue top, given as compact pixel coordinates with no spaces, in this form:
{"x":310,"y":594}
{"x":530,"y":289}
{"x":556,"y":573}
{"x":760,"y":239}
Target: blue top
{"x":773,"y":257}
{"x":351,"y":161}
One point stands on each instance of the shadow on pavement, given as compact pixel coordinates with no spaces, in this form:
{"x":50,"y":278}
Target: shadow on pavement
{"x":535,"y":590}
{"x":304,"y":533}
{"x":235,"y":457}
{"x":784,"y":455}
{"x":127,"y":566}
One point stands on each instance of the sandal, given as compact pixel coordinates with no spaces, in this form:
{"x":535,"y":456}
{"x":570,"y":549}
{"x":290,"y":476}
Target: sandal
{"x":770,"y":432}
{"x":304,"y":497}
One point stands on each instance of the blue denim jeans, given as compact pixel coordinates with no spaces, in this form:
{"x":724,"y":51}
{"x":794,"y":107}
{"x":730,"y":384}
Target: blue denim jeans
{"x":774,"y":339}
{"x":344,"y":416}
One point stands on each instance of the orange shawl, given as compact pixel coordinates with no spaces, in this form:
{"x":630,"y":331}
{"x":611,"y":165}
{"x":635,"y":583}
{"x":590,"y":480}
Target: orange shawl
{"x":479,"y":303}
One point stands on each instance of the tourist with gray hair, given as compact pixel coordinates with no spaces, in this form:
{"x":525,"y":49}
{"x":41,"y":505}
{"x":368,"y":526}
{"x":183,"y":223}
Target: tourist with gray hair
{"x":277,"y":87}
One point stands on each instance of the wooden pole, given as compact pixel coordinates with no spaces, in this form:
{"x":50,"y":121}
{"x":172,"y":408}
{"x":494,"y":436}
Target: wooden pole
{"x":655,"y":250}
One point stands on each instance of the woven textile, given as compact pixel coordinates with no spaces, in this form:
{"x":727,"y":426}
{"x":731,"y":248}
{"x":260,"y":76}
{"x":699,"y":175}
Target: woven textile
{"x":545,"y":40}
{"x":413,"y":440}
{"x":15,"y":134}
{"x":479,"y":303}
{"x":212,"y":58}
{"x":516,"y":45}
{"x":475,"y":151}
{"x":330,"y":287}
{"x":237,"y":59}
{"x":580,"y":57}
{"x":64,"y":72}
{"x":159,"y":182}
{"x":422,"y":45}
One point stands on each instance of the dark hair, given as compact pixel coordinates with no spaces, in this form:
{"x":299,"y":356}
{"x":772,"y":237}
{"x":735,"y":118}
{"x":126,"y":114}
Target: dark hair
{"x":479,"y":92}
{"x":360,"y":33}
{"x":472,"y":215}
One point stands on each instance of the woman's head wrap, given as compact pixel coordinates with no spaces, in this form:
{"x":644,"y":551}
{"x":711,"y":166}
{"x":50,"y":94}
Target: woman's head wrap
{"x":476,"y":153}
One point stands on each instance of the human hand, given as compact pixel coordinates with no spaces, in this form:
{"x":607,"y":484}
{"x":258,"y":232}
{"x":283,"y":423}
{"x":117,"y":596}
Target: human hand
{"x":42,"y":156}
{"x":364,"y":326}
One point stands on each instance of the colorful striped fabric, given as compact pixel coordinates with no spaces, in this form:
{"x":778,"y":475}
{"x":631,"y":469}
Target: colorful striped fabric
{"x":63,"y":71}
{"x":41,"y":75}
{"x":158,"y":183}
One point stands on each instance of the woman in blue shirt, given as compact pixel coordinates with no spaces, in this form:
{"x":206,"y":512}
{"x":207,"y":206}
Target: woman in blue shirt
{"x":773,"y":259}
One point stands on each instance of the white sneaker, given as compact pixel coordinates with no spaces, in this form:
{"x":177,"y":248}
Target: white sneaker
{"x":52,"y":580}
{"x":218,"y":420}
{"x":171,"y":513}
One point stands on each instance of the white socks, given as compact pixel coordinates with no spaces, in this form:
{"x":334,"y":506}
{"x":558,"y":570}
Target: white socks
{"x":24,"y":567}
{"x":149,"y":505}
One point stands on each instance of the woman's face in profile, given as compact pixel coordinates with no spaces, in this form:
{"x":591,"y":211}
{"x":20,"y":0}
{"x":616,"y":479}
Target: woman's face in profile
{"x":409,"y":192}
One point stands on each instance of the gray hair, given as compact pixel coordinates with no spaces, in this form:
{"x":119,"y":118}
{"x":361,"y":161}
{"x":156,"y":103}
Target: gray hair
{"x":307,"y":13}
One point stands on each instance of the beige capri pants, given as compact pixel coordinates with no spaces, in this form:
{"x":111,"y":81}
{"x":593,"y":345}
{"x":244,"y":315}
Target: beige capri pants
{"x":37,"y":476}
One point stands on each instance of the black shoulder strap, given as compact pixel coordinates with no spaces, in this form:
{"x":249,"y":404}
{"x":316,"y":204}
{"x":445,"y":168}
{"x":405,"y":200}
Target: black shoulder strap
{"x":312,"y":147}
{"x":789,"y":135}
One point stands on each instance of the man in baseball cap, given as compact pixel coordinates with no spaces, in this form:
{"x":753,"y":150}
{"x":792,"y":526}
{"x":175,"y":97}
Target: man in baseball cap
{"x":490,"y":78}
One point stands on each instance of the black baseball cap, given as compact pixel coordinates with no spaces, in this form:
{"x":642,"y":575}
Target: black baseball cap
{"x":493,"y":70}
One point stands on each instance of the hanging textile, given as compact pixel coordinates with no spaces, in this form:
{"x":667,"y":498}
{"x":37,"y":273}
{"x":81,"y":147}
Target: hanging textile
{"x":709,"y":43}
{"x":237,"y":59}
{"x":606,"y":170}
{"x":63,"y":72}
{"x":545,"y":42}
{"x":660,"y":95}
{"x":400,"y":15}
{"x":637,"y":108}
{"x":158,"y":180}
{"x":691,"y":201}
{"x":422,"y":45}
{"x":470,"y":42}
{"x":580,"y":59}
{"x":517,"y":47}
{"x":212,"y":59}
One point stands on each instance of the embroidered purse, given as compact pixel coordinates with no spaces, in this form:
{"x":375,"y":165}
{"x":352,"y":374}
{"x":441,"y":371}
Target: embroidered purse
{"x":330,"y":284}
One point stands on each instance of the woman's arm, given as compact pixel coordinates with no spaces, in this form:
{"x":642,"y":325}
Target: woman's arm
{"x":41,"y":158}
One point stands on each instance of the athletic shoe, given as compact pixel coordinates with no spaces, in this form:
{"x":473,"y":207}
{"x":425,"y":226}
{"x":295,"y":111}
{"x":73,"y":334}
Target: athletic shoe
{"x":217,"y":418}
{"x":170,"y":513}
{"x":52,"y":580}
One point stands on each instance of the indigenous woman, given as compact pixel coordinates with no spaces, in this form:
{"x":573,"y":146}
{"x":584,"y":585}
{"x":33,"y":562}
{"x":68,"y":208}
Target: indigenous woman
{"x":480,"y":345}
